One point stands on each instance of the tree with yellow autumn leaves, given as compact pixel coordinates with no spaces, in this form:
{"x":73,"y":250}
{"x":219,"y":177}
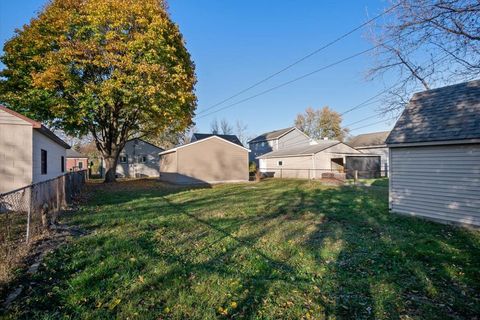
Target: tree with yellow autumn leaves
{"x":116,"y":69}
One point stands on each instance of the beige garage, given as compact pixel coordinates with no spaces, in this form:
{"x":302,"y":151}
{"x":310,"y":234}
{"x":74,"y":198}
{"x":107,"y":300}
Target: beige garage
{"x":211,"y":160}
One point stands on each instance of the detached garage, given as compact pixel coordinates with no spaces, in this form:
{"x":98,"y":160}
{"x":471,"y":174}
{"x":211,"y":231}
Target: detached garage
{"x":435,"y":156}
{"x":210,"y":160}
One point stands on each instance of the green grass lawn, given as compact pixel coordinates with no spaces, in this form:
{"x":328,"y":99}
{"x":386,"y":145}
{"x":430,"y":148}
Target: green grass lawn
{"x":285,"y":249}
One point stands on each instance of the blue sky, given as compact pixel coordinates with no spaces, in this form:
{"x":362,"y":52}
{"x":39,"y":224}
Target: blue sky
{"x":237,"y":43}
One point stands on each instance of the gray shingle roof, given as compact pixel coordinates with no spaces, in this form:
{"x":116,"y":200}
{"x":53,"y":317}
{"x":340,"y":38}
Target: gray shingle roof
{"x":443,"y":114}
{"x":301,"y":150}
{"x":229,"y":137}
{"x":369,"y":139}
{"x":271,"y":135}
{"x":71,"y":153}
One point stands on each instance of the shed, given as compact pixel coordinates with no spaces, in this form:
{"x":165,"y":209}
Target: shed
{"x":435,"y":155}
{"x":209,"y":160}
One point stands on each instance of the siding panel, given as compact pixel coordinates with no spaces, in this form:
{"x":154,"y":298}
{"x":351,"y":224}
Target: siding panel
{"x":437,"y":182}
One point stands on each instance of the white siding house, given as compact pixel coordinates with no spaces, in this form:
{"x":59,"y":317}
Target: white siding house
{"x":435,"y":156}
{"x":139,"y":158}
{"x":29,"y":152}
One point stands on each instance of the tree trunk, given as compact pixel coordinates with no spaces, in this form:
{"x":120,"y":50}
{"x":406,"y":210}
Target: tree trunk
{"x":110,"y":168}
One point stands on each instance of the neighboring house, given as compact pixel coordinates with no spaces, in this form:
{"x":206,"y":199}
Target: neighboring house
{"x":310,"y":161}
{"x":138,"y":159}
{"x":229,"y":137}
{"x":373,"y":143}
{"x":209,"y":160}
{"x":29,"y":152}
{"x":435,"y":155}
{"x":76,"y":161}
{"x":276,"y":140}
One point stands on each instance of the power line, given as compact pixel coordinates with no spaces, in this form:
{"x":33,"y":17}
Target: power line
{"x":371,"y":124}
{"x":299,"y":78}
{"x":329,"y":44}
{"x":369,"y":117}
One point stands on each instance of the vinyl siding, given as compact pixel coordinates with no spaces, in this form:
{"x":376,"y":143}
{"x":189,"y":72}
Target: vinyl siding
{"x":54,"y":154}
{"x":437,"y":182}
{"x":15,"y":152}
{"x":306,"y":166}
{"x":294,"y":138}
{"x":292,"y":167}
{"x":206,"y":161}
{"x":134,"y":150}
{"x":168,"y":167}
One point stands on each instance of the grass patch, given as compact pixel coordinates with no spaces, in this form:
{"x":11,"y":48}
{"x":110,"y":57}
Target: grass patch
{"x":277,"y":249}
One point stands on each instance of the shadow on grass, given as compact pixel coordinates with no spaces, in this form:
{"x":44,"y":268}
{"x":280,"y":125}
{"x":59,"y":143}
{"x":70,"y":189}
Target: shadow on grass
{"x":278,"y":249}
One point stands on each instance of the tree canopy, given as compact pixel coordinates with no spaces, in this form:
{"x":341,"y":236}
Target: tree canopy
{"x":321,"y":123}
{"x":116,"y":69}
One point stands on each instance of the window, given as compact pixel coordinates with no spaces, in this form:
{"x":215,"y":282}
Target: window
{"x":263,"y":144}
{"x":43,"y":161}
{"x":280,"y":163}
{"x":80,"y":165}
{"x":62,"y":163}
{"x":143,"y":159}
{"x":123,"y":159}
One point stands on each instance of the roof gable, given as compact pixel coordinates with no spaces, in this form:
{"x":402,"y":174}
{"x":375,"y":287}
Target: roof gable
{"x":37,"y":126}
{"x":202,"y":141}
{"x":443,"y":114}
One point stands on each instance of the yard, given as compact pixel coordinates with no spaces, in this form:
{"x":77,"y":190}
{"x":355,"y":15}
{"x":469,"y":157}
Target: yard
{"x":277,"y":249}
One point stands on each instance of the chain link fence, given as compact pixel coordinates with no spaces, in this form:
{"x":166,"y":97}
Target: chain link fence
{"x":340,"y":175}
{"x":26,"y":213}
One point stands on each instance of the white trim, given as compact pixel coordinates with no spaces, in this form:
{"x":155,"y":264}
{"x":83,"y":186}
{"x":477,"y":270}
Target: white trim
{"x":433,"y":143}
{"x":200,"y":141}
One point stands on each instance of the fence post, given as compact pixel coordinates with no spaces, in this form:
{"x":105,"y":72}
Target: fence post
{"x":355,"y":176}
{"x":29,"y":214}
{"x":281,"y":173}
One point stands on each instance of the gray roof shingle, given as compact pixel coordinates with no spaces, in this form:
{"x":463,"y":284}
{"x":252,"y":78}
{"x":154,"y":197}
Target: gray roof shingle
{"x":369,"y":139}
{"x":301,"y":150}
{"x":72,"y":153}
{"x":271,"y":135}
{"x":229,"y":137}
{"x":443,"y":114}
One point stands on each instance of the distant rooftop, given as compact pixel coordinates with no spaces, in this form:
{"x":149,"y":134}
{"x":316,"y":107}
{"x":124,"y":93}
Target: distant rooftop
{"x":301,"y":150}
{"x":369,"y":139}
{"x":71,"y":153}
{"x":229,"y":137}
{"x":272,"y":135}
{"x":443,"y":114}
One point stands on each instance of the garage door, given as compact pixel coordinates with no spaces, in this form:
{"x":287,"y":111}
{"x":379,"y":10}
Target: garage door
{"x":439,"y":182}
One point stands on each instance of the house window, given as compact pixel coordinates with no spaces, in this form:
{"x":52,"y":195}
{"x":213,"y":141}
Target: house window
{"x":43,"y":161}
{"x":80,"y":165}
{"x":280,"y":163}
{"x":143,"y":159}
{"x":62,"y":163}
{"x":262,"y":144}
{"x":123,"y":159}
